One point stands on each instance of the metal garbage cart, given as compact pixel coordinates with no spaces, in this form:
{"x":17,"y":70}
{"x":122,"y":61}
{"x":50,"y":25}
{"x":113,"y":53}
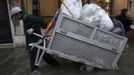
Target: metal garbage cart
{"x":79,"y":41}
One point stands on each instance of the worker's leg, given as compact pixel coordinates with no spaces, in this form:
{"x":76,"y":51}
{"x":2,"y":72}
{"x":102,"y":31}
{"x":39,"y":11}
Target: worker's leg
{"x":32,"y":56}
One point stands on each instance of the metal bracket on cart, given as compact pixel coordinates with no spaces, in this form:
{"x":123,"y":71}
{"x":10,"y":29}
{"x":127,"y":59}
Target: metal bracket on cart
{"x":40,"y":49}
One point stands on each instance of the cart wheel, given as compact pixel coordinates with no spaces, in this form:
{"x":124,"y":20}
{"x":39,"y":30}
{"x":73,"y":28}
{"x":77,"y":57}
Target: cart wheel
{"x":86,"y":68}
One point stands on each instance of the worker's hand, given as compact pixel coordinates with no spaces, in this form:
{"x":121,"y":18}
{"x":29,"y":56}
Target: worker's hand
{"x":30,"y":31}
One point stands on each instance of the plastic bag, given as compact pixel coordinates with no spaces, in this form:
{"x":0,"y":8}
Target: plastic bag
{"x":75,"y":6}
{"x":96,"y":16}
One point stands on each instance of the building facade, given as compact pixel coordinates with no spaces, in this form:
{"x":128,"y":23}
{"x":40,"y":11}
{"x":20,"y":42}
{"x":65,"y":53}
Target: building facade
{"x":12,"y":33}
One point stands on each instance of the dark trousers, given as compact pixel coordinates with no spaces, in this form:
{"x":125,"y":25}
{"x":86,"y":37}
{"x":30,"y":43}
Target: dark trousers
{"x":47,"y":57}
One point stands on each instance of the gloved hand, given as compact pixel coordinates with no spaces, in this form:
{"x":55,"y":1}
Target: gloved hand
{"x":30,"y":31}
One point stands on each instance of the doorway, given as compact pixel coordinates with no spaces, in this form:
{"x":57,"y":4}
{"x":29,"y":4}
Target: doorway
{"x":5,"y":29}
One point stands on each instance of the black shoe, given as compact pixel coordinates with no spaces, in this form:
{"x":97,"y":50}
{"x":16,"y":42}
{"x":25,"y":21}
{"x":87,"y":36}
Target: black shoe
{"x":35,"y":72}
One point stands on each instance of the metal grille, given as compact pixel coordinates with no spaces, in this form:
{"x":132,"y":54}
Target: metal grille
{"x":108,"y":39}
{"x":81,"y":49}
{"x":76,"y":27}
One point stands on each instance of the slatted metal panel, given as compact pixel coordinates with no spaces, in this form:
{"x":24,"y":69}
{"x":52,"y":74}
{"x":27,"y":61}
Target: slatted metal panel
{"x":115,"y":41}
{"x":76,"y":27}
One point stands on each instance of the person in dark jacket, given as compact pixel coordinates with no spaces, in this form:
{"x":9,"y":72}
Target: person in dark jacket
{"x":32,"y":24}
{"x":126,"y":21}
{"x":118,"y":27}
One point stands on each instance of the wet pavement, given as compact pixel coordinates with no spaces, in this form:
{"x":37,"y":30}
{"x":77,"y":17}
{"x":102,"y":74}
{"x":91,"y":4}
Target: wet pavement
{"x":14,"y":61}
